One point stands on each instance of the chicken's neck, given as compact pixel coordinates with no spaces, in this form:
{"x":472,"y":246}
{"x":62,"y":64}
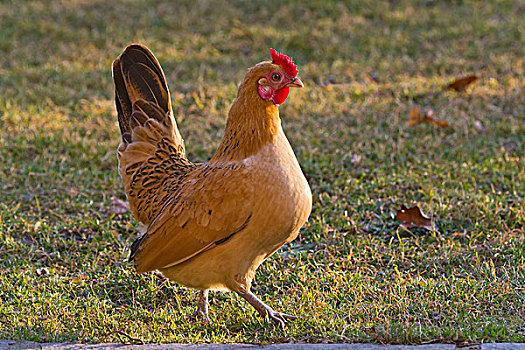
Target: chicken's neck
{"x":252,"y":123}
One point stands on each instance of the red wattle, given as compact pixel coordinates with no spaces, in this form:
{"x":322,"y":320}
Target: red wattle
{"x":265,"y":92}
{"x":280,"y":95}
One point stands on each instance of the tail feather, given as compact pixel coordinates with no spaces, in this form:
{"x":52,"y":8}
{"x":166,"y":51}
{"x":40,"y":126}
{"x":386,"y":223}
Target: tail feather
{"x":122,"y":101}
{"x":152,"y":110}
{"x":144,"y":78}
{"x":140,"y":85}
{"x":135,"y":247}
{"x":151,"y":146}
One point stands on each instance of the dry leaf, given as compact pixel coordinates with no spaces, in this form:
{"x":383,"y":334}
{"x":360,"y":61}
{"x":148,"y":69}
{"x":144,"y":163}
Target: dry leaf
{"x":371,"y":78}
{"x":413,"y":217}
{"x":42,"y":271}
{"x":414,"y":117}
{"x":429,"y":117}
{"x":118,"y":207}
{"x":461,"y":84}
{"x":79,"y":279}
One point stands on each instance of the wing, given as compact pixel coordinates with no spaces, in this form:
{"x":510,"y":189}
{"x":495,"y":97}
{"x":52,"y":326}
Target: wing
{"x":210,"y":207}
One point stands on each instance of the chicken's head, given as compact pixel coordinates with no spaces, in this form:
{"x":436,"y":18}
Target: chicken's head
{"x":277,"y":77}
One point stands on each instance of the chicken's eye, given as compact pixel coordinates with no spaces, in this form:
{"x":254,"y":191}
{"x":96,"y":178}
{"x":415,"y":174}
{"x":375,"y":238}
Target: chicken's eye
{"x":276,"y":76}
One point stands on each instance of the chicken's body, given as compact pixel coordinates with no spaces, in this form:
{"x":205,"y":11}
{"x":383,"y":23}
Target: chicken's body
{"x":209,"y":225}
{"x":280,"y":200}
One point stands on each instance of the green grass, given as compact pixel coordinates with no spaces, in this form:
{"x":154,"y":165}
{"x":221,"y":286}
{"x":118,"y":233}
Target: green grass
{"x":353,"y":275}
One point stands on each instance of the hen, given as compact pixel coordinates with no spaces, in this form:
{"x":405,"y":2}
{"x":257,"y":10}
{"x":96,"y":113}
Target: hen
{"x":210,"y":225}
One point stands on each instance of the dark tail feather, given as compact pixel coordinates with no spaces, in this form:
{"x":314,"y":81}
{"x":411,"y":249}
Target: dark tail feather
{"x":122,"y":101}
{"x":138,"y":76}
{"x":135,"y":247}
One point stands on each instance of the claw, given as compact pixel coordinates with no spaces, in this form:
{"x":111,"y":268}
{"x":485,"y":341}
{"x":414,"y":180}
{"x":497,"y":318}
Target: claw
{"x":279,"y":318}
{"x":287,"y":317}
{"x":276,"y":317}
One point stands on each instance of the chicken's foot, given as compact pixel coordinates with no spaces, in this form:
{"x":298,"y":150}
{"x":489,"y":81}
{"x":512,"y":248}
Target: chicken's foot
{"x":202,"y":306}
{"x":277,"y":317}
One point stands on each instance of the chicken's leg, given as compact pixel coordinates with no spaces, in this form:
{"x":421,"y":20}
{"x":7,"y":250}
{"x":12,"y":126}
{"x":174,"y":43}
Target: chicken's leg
{"x":202,"y":306}
{"x":277,"y":317}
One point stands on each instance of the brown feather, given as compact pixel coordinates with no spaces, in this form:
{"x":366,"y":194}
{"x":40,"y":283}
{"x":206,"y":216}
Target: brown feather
{"x":149,"y":131}
{"x":144,"y":76}
{"x":122,"y":101}
{"x":195,"y":218}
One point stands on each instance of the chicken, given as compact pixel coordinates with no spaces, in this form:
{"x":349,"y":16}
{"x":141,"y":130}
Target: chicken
{"x":210,"y":225}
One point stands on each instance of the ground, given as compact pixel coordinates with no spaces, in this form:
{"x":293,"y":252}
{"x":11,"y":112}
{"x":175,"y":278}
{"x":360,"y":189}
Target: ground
{"x":353,"y":275}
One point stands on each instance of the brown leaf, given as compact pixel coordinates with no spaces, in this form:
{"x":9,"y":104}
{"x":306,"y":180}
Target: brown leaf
{"x":413,"y":217}
{"x":461,"y":84}
{"x":371,"y":78}
{"x":79,"y":279}
{"x":118,"y":207}
{"x":429,"y":117}
{"x":414,"y":117}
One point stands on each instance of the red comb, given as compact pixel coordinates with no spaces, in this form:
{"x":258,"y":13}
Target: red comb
{"x":285,"y":62}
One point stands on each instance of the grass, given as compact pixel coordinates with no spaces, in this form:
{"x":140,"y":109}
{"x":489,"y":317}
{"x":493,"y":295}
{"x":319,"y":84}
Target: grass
{"x":353,"y":275}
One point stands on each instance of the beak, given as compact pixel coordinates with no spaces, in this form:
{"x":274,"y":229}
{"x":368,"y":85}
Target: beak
{"x":295,"y":82}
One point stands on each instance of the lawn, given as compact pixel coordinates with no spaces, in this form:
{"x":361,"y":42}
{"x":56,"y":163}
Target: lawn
{"x":354,"y":274}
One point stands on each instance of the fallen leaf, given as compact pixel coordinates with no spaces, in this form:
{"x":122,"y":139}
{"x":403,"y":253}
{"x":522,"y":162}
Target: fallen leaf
{"x":415,"y":117}
{"x":79,"y":279}
{"x":42,"y":271}
{"x":118,"y":207}
{"x":461,"y":84}
{"x":371,"y":78}
{"x":413,"y":217}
